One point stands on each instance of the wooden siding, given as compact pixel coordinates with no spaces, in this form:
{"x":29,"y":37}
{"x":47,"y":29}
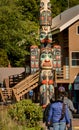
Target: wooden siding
{"x":73,"y":46}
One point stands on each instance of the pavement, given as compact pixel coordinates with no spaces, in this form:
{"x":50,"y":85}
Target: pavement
{"x":75,"y":124}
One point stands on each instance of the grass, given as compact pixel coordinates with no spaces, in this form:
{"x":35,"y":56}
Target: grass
{"x":6,"y":123}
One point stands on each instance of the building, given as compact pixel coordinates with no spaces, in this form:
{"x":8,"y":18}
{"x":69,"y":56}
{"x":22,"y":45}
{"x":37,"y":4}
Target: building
{"x":65,"y":32}
{"x":6,"y":72}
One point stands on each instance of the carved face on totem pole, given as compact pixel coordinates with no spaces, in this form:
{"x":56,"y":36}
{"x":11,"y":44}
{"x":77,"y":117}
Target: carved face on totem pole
{"x":45,"y":35}
{"x":46,"y":77}
{"x":45,"y":22}
{"x":34,"y":57}
{"x":45,"y":13}
{"x":56,"y":57}
{"x":46,"y":58}
{"x":47,"y":85}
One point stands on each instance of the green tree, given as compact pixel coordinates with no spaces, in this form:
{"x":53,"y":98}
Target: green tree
{"x":17,"y":33}
{"x":59,"y":6}
{"x":3,"y":58}
{"x":30,"y":9}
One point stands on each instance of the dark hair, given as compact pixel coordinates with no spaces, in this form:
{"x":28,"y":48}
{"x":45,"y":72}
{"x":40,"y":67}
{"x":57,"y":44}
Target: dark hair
{"x":60,"y":97}
{"x":66,"y":94}
{"x":52,"y":99}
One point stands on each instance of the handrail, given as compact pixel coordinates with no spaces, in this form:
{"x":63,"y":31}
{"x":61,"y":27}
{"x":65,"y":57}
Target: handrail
{"x":6,"y":93}
{"x":63,"y":74}
{"x":26,"y":85}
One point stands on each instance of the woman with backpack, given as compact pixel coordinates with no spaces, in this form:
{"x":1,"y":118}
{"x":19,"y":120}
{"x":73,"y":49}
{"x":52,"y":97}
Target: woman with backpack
{"x":58,"y":115}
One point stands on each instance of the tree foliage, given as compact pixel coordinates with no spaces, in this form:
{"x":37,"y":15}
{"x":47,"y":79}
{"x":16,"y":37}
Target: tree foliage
{"x":59,"y":6}
{"x":30,"y":9}
{"x":17,"y":32}
{"x":3,"y":58}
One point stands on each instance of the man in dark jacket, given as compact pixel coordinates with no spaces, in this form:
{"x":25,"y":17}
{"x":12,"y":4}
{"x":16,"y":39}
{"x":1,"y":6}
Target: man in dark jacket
{"x":71,"y":108}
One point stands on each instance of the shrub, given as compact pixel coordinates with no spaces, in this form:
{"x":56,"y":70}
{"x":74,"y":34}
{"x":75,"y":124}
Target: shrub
{"x":26,"y":113}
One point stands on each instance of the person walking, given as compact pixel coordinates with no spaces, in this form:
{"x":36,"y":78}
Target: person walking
{"x":58,"y":115}
{"x":71,"y":108}
{"x":46,"y":112}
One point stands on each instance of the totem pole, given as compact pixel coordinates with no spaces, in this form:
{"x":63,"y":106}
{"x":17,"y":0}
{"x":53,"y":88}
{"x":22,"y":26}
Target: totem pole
{"x":34,"y":58}
{"x":47,"y":59}
{"x":46,"y":55}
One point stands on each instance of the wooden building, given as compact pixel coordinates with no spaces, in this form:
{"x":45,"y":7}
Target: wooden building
{"x":65,"y":32}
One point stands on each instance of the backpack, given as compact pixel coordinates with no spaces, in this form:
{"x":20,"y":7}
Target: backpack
{"x":63,"y":111}
{"x":46,"y":113}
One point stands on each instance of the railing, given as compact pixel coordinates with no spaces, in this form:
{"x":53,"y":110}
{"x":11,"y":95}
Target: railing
{"x":26,"y":85}
{"x":63,"y":74}
{"x":20,"y":89}
{"x":59,"y":74}
{"x":14,"y":79}
{"x":6,"y":94}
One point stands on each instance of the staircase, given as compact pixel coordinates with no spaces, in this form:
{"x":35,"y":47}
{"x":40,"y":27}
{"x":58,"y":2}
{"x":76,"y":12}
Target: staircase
{"x":23,"y":87}
{"x":6,"y":94}
{"x":30,"y":82}
{"x":20,"y":89}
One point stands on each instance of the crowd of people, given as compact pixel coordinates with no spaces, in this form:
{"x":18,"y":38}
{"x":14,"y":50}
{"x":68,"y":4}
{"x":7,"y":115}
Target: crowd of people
{"x":58,"y":113}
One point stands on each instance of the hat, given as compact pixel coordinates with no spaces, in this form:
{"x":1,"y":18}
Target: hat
{"x":61,"y":89}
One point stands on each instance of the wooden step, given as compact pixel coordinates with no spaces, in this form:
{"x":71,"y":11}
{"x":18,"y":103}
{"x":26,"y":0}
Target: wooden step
{"x":6,"y":94}
{"x":3,"y":98}
{"x":26,"y":85}
{"x":25,"y":91}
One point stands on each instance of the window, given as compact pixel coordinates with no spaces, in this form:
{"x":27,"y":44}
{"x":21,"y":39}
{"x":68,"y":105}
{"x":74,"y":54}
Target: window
{"x":77,"y":29}
{"x":75,"y":58}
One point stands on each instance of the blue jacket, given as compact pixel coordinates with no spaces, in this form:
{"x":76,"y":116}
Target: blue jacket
{"x":56,"y":111}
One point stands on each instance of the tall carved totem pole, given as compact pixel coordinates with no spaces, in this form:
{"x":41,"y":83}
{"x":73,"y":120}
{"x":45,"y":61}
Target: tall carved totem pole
{"x":46,"y":56}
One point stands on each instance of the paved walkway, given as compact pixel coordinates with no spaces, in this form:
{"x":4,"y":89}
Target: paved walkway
{"x":75,"y":124}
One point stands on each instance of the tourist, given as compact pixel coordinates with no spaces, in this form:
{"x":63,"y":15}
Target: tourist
{"x":71,"y":108}
{"x":58,"y":115}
